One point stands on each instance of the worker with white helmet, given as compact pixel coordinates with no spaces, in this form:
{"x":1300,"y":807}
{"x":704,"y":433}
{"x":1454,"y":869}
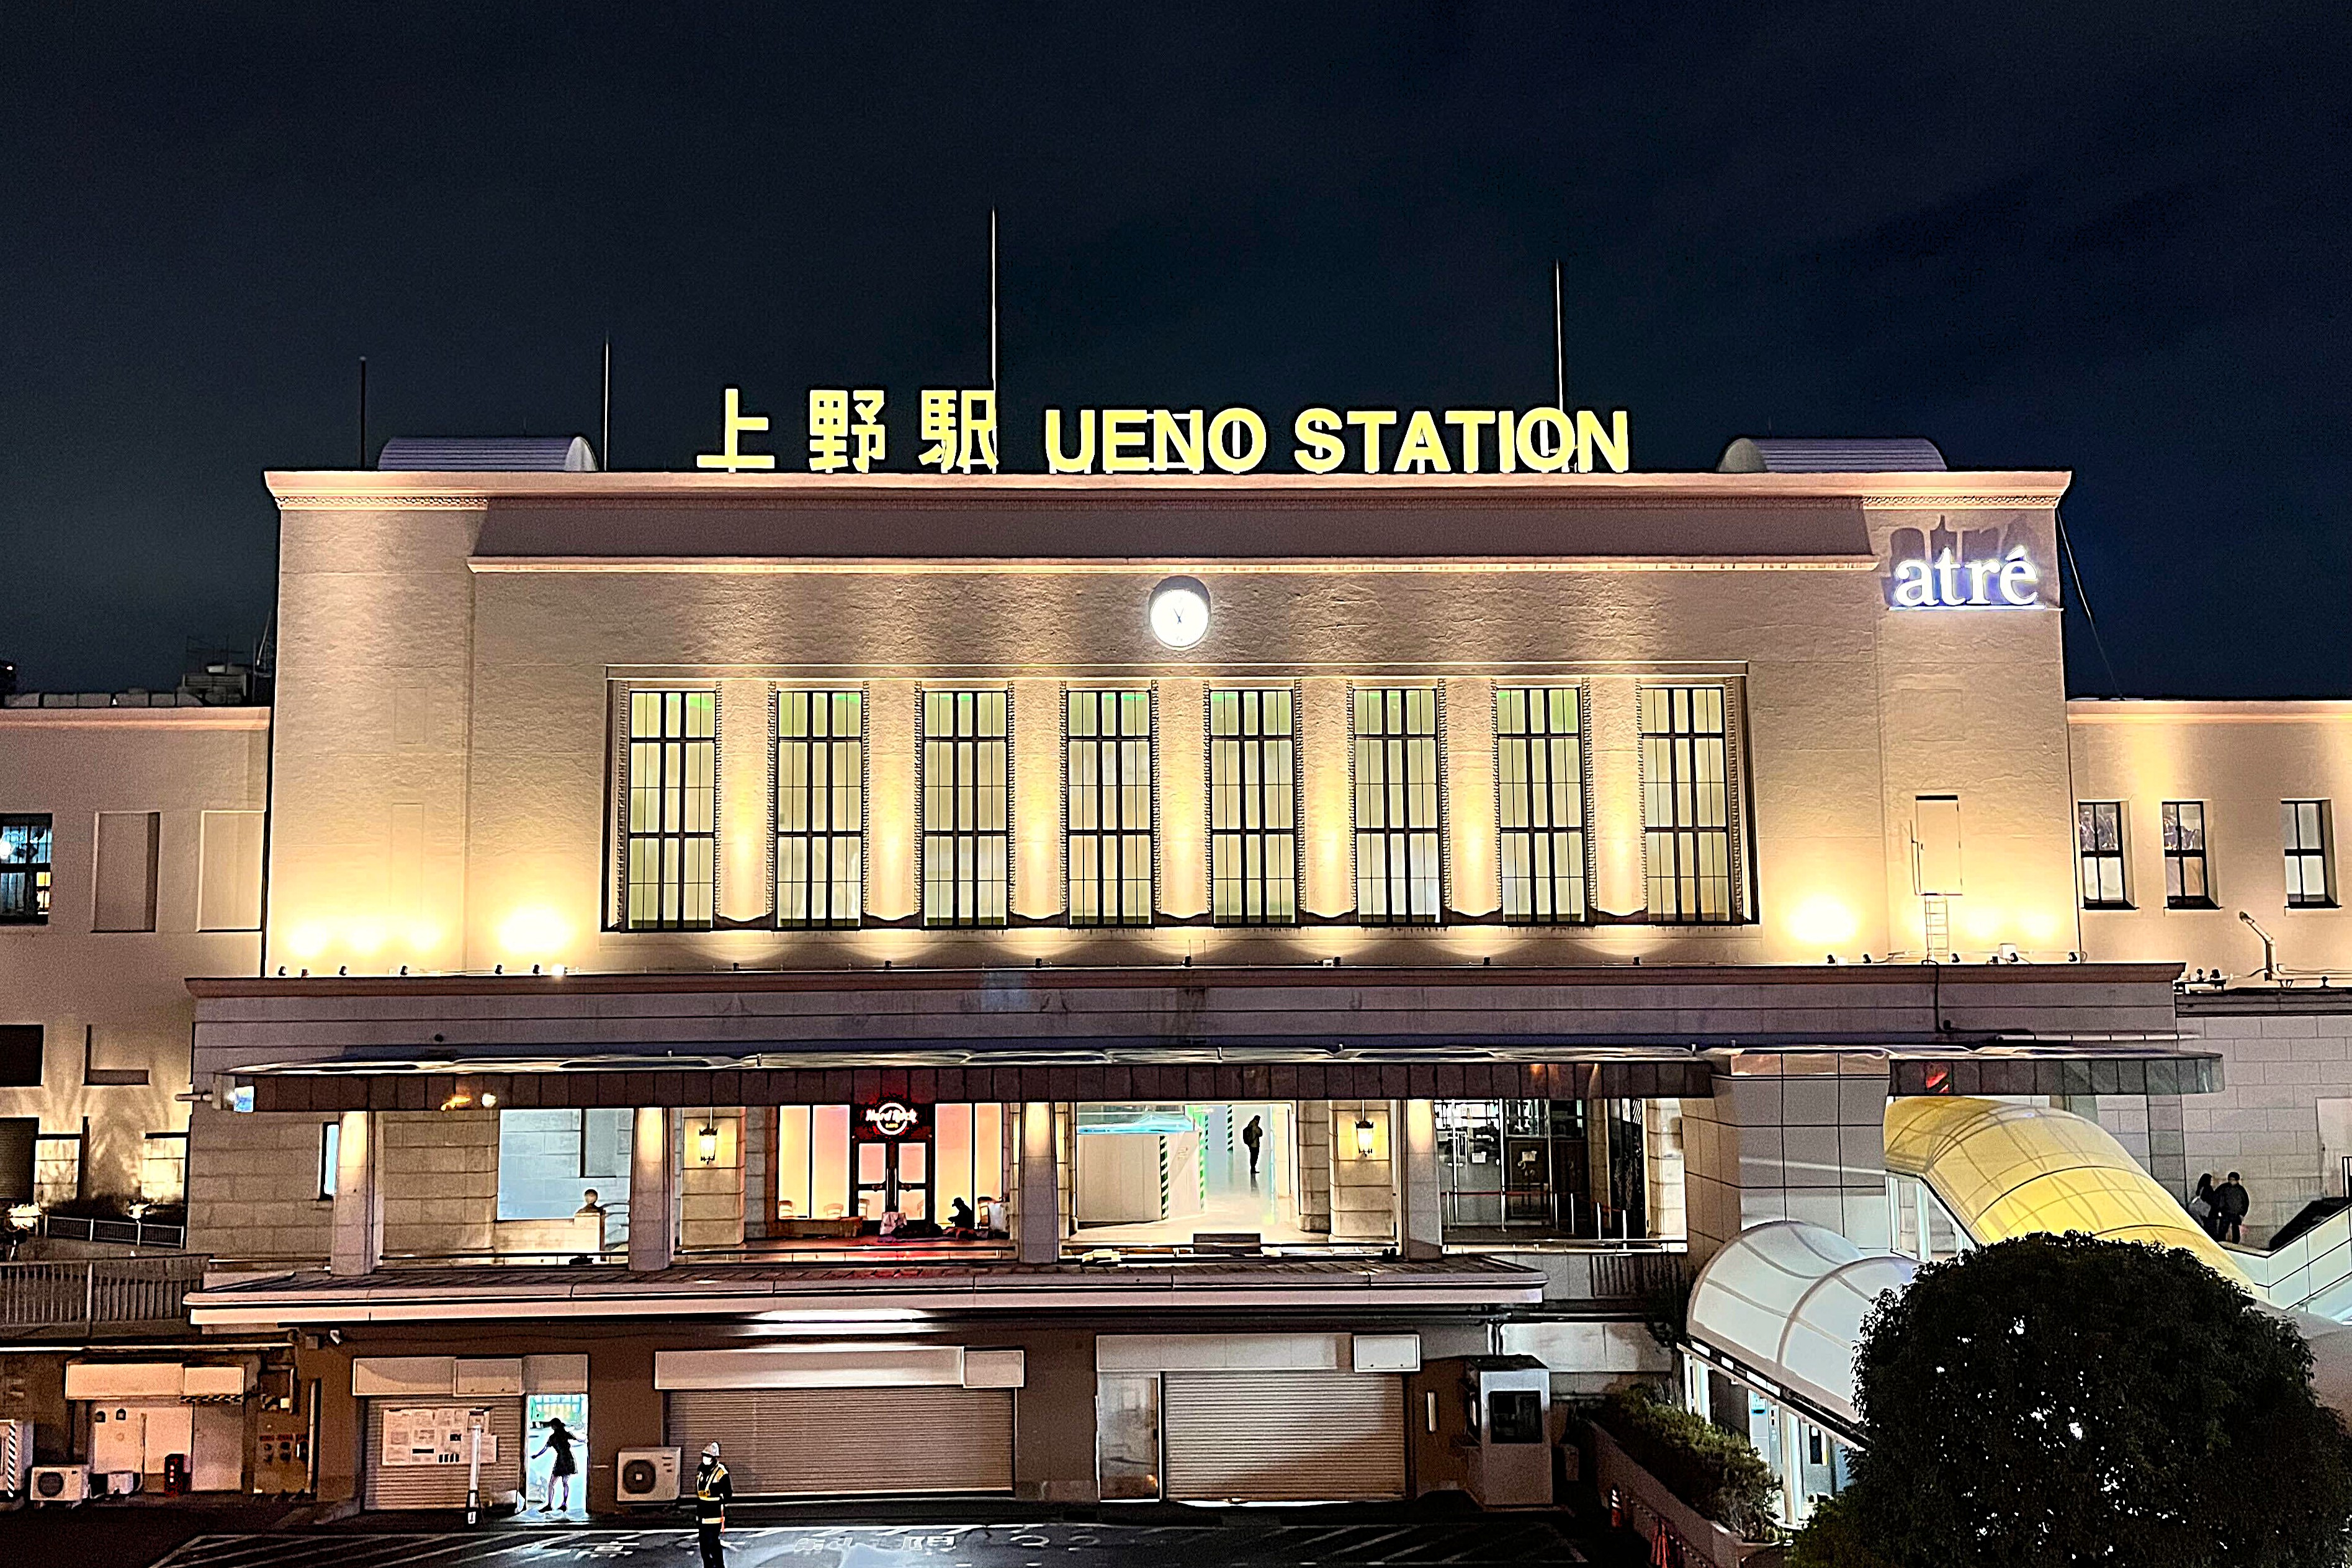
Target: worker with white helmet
{"x":711,"y":1490}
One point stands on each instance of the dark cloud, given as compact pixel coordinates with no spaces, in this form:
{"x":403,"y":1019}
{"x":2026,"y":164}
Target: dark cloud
{"x":2088,"y":237}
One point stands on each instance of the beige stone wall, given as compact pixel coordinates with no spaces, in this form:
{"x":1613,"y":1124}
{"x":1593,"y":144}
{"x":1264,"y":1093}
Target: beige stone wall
{"x":473,"y":829}
{"x":253,"y":1187}
{"x":439,"y":1173}
{"x":117,"y":999}
{"x":2241,"y":759}
{"x":1363,"y":1190}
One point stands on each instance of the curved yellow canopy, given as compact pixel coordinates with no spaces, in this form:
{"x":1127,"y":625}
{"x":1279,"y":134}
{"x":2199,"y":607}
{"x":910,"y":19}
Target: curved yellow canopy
{"x":2008,"y":1170}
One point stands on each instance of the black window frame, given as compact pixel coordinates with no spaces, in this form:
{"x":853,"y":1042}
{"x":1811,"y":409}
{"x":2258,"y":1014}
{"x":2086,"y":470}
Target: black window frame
{"x":672,"y":750}
{"x":2306,"y":852}
{"x":1253,"y":774}
{"x":2102,"y":855}
{"x":1100,"y":799}
{"x":2181,"y":857}
{"x":964,"y":750}
{"x":1382,"y":763}
{"x":1675,"y":841}
{"x":1535,"y":743}
{"x":810,"y":813}
{"x":27,"y":885}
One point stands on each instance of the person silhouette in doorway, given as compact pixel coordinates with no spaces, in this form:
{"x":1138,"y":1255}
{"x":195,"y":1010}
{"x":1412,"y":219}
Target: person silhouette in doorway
{"x":559,"y":1478}
{"x":1253,"y":1136}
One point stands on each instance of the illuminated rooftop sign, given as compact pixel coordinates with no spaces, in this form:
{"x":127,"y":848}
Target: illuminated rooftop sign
{"x":957,"y":434}
{"x":1941,"y":570}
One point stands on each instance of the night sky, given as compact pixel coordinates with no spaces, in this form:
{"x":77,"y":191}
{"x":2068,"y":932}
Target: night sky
{"x":2110,"y":238}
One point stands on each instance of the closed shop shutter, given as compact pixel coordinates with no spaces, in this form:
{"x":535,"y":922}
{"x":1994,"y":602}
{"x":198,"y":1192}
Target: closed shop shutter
{"x":835,"y":1442}
{"x":442,"y":1486}
{"x":1283,"y":1437}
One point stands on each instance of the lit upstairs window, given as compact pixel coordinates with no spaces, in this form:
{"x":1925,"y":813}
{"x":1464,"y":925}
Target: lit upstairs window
{"x":1539,"y":779}
{"x":1690,"y":856}
{"x":24,"y":870}
{"x":2304,"y":827}
{"x":672,"y":809}
{"x":1108,"y":764}
{"x":966,"y":806}
{"x":1400,"y":877}
{"x":820,"y":808}
{"x":2099,"y":849}
{"x":2188,"y":879}
{"x":1254,"y":808}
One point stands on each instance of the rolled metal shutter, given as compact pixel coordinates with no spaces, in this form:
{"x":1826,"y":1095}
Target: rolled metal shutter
{"x":1283,"y":1437}
{"x":835,"y":1442}
{"x":442,"y":1486}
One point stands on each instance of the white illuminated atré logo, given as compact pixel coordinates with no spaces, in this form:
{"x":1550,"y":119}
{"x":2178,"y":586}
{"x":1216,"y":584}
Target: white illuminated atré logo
{"x":1939,"y":571}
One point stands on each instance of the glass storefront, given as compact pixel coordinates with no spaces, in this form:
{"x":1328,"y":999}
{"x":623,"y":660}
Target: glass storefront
{"x":1541,"y":1167}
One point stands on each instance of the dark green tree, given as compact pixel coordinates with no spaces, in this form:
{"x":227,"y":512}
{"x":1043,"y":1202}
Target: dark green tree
{"x":2059,"y":1400}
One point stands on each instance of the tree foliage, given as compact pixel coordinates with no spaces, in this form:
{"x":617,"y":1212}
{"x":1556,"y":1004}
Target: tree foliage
{"x":2062,"y":1400}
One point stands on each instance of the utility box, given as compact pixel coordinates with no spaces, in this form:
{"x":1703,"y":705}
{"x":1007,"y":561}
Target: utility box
{"x":1482,"y":1425}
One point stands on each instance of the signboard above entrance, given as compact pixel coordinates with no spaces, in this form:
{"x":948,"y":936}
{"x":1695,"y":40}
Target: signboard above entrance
{"x":957,"y":427}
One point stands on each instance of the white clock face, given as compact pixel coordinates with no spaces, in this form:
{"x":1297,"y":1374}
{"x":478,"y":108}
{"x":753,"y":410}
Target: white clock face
{"x":1180,"y":612}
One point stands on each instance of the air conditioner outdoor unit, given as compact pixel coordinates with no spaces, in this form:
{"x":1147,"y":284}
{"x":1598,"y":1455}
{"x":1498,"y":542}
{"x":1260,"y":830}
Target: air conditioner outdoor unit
{"x":648,"y":1475}
{"x":60,"y":1483}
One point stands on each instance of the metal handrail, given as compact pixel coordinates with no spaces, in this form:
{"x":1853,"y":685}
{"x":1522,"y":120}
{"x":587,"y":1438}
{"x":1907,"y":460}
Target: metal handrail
{"x":90,"y":1292}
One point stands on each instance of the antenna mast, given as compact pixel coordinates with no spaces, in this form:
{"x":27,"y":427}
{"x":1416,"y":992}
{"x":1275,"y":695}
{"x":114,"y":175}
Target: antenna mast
{"x":605,"y":448}
{"x":991,"y":301}
{"x":1559,"y":345}
{"x":362,"y":462}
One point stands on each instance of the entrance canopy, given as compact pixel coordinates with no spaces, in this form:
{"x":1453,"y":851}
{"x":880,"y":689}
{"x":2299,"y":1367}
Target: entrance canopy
{"x":1786,"y":1300}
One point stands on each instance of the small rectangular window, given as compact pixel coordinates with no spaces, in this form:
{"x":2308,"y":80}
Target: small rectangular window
{"x":672,"y":809}
{"x":1400,"y":875}
{"x":20,"y":1055}
{"x":330,"y":1154}
{"x":2187,"y":880}
{"x":966,"y":807}
{"x":2099,"y":849}
{"x":1252,"y":807}
{"x":229,"y":880}
{"x":24,"y":870}
{"x":1539,"y":776}
{"x":820,"y":808}
{"x":2310,"y":881}
{"x":1108,"y":762}
{"x":124,"y":897}
{"x":1686,"y":804}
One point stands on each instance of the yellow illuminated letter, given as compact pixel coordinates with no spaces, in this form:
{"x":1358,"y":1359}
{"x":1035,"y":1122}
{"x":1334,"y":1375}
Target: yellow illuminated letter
{"x":1122,"y":441}
{"x":1421,"y":451}
{"x":1221,"y":450}
{"x":1470,"y":420}
{"x":1506,"y":446}
{"x":976,"y":441}
{"x":1056,"y":461}
{"x":731,"y":455}
{"x":1612,"y":445}
{"x":939,"y":428}
{"x":1317,"y":427}
{"x":1564,"y":440}
{"x":828,"y":429}
{"x":1182,"y":442}
{"x":873,"y":441}
{"x":1374,"y":420}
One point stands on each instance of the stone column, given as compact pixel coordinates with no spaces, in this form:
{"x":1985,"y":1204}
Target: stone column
{"x":1422,"y":1220}
{"x":1794,"y":1136}
{"x":359,"y":1197}
{"x":1037,"y":1199}
{"x":653,"y":1191}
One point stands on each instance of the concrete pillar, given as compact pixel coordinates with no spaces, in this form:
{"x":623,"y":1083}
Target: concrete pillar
{"x":653,"y":1191}
{"x":1596,"y":1163}
{"x":1800,"y":1136}
{"x":1420,"y":1215}
{"x":1036,"y":1197}
{"x":359,"y":1197}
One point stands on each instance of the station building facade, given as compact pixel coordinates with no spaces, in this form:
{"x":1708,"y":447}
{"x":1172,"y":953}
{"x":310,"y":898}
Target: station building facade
{"x":1150,"y":979}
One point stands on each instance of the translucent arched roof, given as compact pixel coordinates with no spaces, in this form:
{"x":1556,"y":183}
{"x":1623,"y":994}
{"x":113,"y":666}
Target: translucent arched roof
{"x":1787,"y":1299}
{"x":2007,"y":1170}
